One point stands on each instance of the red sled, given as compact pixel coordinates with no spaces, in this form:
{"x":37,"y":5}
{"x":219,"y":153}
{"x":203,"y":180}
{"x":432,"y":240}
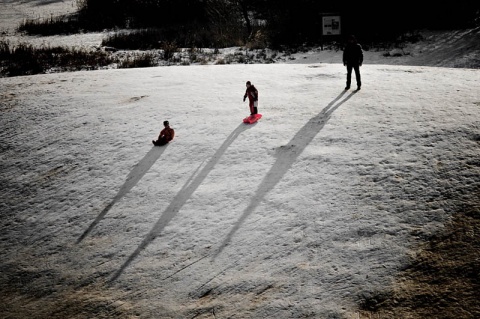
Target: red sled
{"x":252,"y":118}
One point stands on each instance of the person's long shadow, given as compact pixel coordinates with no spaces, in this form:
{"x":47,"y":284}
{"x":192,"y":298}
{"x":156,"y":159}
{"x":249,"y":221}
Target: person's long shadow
{"x":285,"y":159}
{"x":182,"y":197}
{"x":132,"y":179}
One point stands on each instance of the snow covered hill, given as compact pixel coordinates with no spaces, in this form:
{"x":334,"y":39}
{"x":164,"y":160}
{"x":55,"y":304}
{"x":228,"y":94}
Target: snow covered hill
{"x":308,"y":213}
{"x":313,"y":212}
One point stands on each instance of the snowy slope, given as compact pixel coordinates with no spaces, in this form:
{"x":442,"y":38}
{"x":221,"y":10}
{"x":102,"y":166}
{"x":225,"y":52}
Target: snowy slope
{"x":305,"y":214}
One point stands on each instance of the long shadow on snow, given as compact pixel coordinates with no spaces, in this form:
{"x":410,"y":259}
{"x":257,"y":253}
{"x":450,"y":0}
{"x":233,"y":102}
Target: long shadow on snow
{"x":132,"y":179}
{"x":285,"y":160}
{"x":182,"y":197}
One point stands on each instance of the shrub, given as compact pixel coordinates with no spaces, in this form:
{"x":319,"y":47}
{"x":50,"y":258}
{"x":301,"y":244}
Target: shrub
{"x":4,"y":50}
{"x":154,"y":38}
{"x":50,"y":26}
{"x":169,"y":50}
{"x":19,"y":60}
{"x":144,"y":60}
{"x":24,"y":59}
{"x":146,"y":39}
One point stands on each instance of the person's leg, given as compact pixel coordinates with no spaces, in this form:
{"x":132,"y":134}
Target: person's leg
{"x":159,"y":142}
{"x":252,"y":110}
{"x":357,"y":76}
{"x":349,"y":76}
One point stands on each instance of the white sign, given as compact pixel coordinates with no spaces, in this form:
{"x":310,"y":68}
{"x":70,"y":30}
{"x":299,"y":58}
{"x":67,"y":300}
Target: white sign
{"x":331,"y":25}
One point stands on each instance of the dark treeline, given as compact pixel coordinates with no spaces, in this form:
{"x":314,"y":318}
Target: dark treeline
{"x":278,"y":22}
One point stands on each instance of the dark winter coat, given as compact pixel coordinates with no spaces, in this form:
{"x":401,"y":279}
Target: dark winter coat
{"x":353,"y":54}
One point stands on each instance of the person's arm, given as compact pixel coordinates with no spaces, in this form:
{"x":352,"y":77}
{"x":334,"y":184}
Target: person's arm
{"x":360,"y":55}
{"x":162,"y":133}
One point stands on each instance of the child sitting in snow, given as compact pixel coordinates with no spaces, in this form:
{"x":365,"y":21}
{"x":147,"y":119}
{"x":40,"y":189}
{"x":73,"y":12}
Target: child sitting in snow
{"x":165,"y":136}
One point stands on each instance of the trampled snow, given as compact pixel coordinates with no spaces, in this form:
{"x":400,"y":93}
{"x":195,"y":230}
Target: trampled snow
{"x":306,"y":213}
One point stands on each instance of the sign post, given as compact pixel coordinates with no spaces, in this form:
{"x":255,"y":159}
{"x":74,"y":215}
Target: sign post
{"x":331,"y":25}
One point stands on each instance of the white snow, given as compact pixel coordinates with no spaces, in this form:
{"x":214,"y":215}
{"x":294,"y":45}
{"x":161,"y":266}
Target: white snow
{"x":319,"y":203}
{"x":304,"y":214}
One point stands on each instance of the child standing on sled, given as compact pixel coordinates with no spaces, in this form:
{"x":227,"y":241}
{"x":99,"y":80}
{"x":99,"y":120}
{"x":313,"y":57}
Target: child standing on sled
{"x":252,"y":94}
{"x":165,"y":136}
